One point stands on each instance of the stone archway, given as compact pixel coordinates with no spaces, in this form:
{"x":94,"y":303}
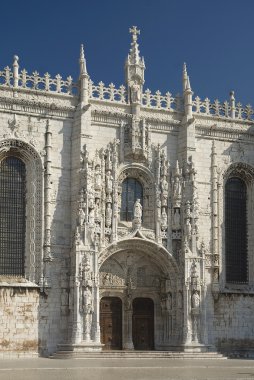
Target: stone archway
{"x":136,"y":271}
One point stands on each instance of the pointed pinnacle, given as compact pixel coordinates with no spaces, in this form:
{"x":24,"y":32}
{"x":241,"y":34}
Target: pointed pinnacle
{"x":82,"y":60}
{"x":185,"y":77}
{"x":188,"y":87}
{"x":82,"y":54}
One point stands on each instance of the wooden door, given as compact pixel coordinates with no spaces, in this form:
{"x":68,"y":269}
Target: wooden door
{"x":111,"y":323}
{"x":143,"y":324}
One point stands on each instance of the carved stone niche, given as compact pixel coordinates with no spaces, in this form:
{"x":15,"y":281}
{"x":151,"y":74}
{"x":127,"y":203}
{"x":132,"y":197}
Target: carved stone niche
{"x":136,"y":140}
{"x":145,"y":178}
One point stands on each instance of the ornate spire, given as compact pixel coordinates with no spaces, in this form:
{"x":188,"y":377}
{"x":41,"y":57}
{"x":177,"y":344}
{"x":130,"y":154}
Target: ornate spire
{"x":82,"y":61}
{"x":186,"y":79}
{"x":187,"y":93}
{"x":134,"y":56}
{"x":83,"y":78}
{"x":134,"y":69}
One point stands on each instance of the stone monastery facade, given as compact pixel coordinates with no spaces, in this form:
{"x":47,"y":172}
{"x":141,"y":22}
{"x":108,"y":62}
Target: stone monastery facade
{"x":126,"y":217}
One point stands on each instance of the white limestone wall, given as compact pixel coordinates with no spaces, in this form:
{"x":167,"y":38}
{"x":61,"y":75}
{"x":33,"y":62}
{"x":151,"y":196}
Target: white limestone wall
{"x":233,"y":327}
{"x":19,"y":310}
{"x":230,"y":317}
{"x":34,"y":321}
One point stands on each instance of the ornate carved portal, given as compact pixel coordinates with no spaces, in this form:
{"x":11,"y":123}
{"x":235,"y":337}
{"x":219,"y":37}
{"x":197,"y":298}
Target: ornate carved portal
{"x":149,"y":318}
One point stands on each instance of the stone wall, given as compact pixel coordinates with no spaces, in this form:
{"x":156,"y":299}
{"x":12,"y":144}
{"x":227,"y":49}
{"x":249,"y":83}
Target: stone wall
{"x":233,"y":327}
{"x":19,"y":308}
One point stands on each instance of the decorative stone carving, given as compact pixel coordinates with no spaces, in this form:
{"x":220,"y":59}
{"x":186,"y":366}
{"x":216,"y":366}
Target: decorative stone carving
{"x":195,"y":300}
{"x":137,"y":214}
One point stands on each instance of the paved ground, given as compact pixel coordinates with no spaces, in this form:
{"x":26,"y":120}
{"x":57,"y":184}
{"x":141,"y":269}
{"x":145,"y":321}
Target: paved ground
{"x":125,"y":369}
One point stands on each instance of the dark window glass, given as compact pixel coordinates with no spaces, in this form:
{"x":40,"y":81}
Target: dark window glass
{"x":236,"y":231}
{"x":131,"y":191}
{"x":12,"y":216}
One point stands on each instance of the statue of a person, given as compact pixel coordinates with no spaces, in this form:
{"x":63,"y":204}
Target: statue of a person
{"x":176,"y":219}
{"x":97,"y":178}
{"x":87,"y":300}
{"x":168,"y":302}
{"x":97,"y":210}
{"x":135,"y":93}
{"x":177,"y":190}
{"x":164,"y":220}
{"x":195,"y":300}
{"x":137,"y":210}
{"x":81,"y":216}
{"x":108,"y":219}
{"x":109,"y":182}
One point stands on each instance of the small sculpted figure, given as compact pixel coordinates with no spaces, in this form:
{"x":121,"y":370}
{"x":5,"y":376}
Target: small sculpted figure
{"x":137,"y":210}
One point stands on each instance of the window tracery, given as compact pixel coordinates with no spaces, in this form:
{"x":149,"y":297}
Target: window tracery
{"x":12,"y":216}
{"x":33,"y":193}
{"x":236,"y":230}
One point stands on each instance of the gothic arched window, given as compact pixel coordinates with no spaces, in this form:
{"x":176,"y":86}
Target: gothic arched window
{"x":236,"y":231}
{"x":12,"y":216}
{"x":131,"y":191}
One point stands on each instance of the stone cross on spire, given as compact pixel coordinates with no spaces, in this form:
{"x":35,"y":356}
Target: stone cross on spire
{"x":134,"y":31}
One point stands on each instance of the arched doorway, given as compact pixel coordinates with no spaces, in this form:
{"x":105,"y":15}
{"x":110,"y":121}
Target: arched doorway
{"x":111,"y":323}
{"x":143,"y":324}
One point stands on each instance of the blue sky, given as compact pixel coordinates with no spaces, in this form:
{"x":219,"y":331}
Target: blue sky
{"x":214,"y":38}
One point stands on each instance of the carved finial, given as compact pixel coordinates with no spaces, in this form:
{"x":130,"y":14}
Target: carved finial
{"x":135,"y":32}
{"x":134,"y":51}
{"x":15,"y":71}
{"x":185,"y":76}
{"x":82,"y":61}
{"x":15,"y":60}
{"x":232,"y":104}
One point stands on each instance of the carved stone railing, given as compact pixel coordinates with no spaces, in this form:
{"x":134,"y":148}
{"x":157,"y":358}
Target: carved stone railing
{"x":109,"y":93}
{"x":159,"y":101}
{"x":36,"y":82}
{"x":224,"y":110}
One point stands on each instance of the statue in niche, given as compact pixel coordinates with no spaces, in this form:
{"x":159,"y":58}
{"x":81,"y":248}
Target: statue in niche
{"x":108,"y":219}
{"x":97,"y":214}
{"x":177,"y":189}
{"x":137,"y":210}
{"x":97,"y":178}
{"x":176,"y":219}
{"x":91,"y":216}
{"x":195,"y":300}
{"x":81,"y":216}
{"x":128,"y":302}
{"x":87,"y":300}
{"x":135,"y":93}
{"x":164,"y":220}
{"x":109,"y":182}
{"x":168,"y":302}
{"x":164,"y":191}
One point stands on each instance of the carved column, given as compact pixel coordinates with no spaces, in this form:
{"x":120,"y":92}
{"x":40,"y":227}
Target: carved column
{"x":128,"y":343}
{"x":74,"y":302}
{"x":47,"y":206}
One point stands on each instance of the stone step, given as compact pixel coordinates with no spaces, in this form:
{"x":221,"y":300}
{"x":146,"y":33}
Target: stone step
{"x":137,"y":354}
